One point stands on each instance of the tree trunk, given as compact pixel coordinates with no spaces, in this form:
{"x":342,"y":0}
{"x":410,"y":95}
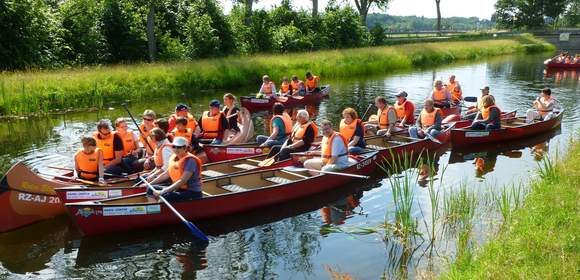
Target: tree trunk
{"x":437,"y":2}
{"x":151,"y":41}
{"x":248,"y":19}
{"x":314,"y":8}
{"x":363,"y":17}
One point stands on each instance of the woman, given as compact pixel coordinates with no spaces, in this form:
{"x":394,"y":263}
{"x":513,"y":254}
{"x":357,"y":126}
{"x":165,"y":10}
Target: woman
{"x":352,"y":130}
{"x":280,"y":128}
{"x":490,"y":116}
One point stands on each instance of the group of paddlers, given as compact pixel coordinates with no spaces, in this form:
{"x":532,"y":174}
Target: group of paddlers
{"x":292,"y":87}
{"x":170,"y":152}
{"x":566,"y":58}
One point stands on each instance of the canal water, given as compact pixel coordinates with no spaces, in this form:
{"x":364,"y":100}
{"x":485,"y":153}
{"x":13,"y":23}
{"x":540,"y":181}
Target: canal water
{"x":331,"y":235}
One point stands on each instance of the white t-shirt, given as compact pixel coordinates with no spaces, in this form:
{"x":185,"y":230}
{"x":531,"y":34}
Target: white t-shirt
{"x":167,"y":152}
{"x":338,"y":148}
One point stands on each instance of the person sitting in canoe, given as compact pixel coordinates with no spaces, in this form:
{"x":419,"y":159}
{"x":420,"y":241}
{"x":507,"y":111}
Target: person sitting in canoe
{"x":88,"y":161}
{"x":112,"y":146}
{"x":451,"y":84}
{"x":577,"y":59}
{"x":472,"y":112}
{"x":383,"y":123}
{"x":232,"y":115}
{"x":352,"y":130}
{"x":543,"y":107}
{"x":280,"y":128}
{"x":161,"y":156}
{"x":333,"y":151}
{"x":146,"y":127}
{"x":182,"y":110}
{"x":213,"y":123}
{"x":300,"y":140}
{"x":298,"y":87}
{"x":183,"y":175}
{"x":181,"y":130}
{"x":440,"y":95}
{"x":312,"y":83}
{"x":163,"y":124}
{"x":405,"y":109}
{"x":490,"y":116}
{"x":268,"y":88}
{"x":429,"y":121}
{"x":285,"y":88}
{"x":131,"y":149}
{"x":456,"y":95}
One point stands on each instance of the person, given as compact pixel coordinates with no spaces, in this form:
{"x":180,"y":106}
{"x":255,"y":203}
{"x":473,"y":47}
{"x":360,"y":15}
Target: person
{"x":383,"y":123}
{"x":182,"y":110}
{"x":456,"y":94}
{"x":268,"y":88}
{"x":213,"y":123}
{"x":405,"y":109}
{"x":181,"y":130}
{"x":489,"y":117}
{"x":298,"y":87}
{"x":440,"y":95}
{"x":451,"y":84}
{"x":162,"y":154}
{"x":285,"y":88}
{"x":163,"y":124}
{"x":112,"y":146}
{"x":333,"y":151}
{"x":146,"y":127}
{"x":300,"y":140}
{"x":280,"y":128}
{"x":429,"y":121}
{"x":471,"y":112}
{"x":183,"y":175}
{"x":577,"y":59}
{"x":567,"y":60}
{"x":312,"y":83}
{"x":352,"y":130}
{"x":131,"y":149}
{"x":232,"y":113}
{"x":543,"y":107}
{"x":88,"y":161}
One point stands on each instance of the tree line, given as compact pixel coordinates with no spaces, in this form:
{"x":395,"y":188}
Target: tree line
{"x":531,"y":14}
{"x":414,"y":23}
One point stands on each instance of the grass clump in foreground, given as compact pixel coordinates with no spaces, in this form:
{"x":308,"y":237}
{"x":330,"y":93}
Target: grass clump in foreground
{"x":541,"y":240}
{"x":26,"y":93}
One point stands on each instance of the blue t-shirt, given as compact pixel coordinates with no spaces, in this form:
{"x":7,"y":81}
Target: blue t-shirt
{"x":193,"y":184}
{"x":279,"y":123}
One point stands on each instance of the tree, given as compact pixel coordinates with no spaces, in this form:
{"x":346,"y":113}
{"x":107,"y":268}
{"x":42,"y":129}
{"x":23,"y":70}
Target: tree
{"x":528,"y":13}
{"x":314,"y":8}
{"x":80,"y":22}
{"x":208,"y":32}
{"x":151,"y":40}
{"x":122,"y":31}
{"x":248,"y":6}
{"x":363,"y":7}
{"x":437,"y":3}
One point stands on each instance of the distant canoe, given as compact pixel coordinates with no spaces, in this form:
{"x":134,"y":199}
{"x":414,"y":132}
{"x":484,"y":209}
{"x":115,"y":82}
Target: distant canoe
{"x":551,"y":64}
{"x":254,"y":104}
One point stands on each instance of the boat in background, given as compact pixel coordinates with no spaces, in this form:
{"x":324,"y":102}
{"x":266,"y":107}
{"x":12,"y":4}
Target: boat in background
{"x":254,"y":104}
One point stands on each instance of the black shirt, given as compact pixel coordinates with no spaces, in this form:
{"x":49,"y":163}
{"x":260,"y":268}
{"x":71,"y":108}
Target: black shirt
{"x":233,"y":121}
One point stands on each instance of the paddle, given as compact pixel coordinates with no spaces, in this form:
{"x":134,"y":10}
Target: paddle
{"x":269,"y":161}
{"x":70,"y":169}
{"x":297,"y":169}
{"x":366,"y":111}
{"x":194,"y":230}
{"x":138,"y":127}
{"x":86,"y":182}
{"x":432,"y":138}
{"x":470,"y":99}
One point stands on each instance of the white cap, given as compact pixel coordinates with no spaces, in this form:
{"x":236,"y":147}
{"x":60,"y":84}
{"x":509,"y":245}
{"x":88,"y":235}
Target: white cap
{"x":180,"y":141}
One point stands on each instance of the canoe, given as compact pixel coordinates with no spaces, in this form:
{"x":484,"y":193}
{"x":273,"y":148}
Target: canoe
{"x":512,"y":128}
{"x":221,"y":197}
{"x":223,"y":152}
{"x":211,"y":170}
{"x":456,"y":110}
{"x":504,"y":116}
{"x":551,"y":64}
{"x":26,"y":197}
{"x":265,"y":104}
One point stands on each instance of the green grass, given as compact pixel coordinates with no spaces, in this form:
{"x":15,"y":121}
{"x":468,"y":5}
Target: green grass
{"x":37,"y":92}
{"x":541,"y":239}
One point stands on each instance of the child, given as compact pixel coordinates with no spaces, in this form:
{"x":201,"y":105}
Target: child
{"x":88,"y":161}
{"x":181,"y":130}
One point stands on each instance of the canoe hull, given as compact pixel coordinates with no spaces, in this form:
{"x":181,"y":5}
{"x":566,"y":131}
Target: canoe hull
{"x":84,"y":193}
{"x":262,"y":104}
{"x":550,"y":64}
{"x":217,"y":153}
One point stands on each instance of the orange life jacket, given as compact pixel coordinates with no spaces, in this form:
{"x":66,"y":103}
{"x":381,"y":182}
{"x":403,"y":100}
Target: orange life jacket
{"x":284,"y":87}
{"x":348,"y":130}
{"x":384,"y":117}
{"x":158,"y":156}
{"x":400,"y":109}
{"x":287,"y":123}
{"x":267,"y":89}
{"x":129,"y":143}
{"x":326,"y":147}
{"x":106,"y":145}
{"x":428,"y":119}
{"x":295,"y":85}
{"x":456,"y":96}
{"x":185,"y":134}
{"x":485,"y":112}
{"x":439,"y":95}
{"x":177,"y":168}
{"x":87,"y":164}
{"x":451,"y":86}
{"x":300,"y":130}
{"x":142,"y":140}
{"x":311,"y":84}
{"x":191,"y":122}
{"x":211,"y":125}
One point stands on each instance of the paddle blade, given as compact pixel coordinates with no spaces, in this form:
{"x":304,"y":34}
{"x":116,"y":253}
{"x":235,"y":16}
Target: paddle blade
{"x":267,"y":162}
{"x":470,"y":99}
{"x":195,"y":231}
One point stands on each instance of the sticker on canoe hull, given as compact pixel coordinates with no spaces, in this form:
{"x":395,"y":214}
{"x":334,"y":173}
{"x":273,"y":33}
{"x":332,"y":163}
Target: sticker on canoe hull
{"x":153,"y":209}
{"x":78,"y":195}
{"x":259,"y":101}
{"x":243,"y":151}
{"x":473,"y":134}
{"x":124,"y":211}
{"x":115,"y":193}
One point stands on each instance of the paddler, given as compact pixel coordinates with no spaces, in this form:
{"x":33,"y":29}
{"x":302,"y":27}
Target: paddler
{"x":280,"y":128}
{"x":490,"y":116}
{"x":213,"y":124}
{"x":183,"y":175}
{"x":285,"y":88}
{"x":162,"y":154}
{"x":131,"y":149}
{"x":333,"y":152}
{"x":182,"y":110}
{"x":312,"y":83}
{"x":88,"y":161}
{"x":352,"y":130}
{"x":383,"y":123}
{"x":451,"y":84}
{"x":429,"y":121}
{"x":268,"y":88}
{"x":405,"y":109}
{"x":471,"y":113}
{"x":146,"y":127}
{"x":300,"y":140}
{"x":111,"y":145}
{"x":181,"y":130}
{"x":543,"y":107}
{"x":298,"y":86}
{"x":456,"y":94}
{"x":440,"y":95}
{"x":232,"y":113}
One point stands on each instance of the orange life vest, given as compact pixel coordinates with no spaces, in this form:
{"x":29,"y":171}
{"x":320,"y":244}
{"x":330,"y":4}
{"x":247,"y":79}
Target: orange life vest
{"x":400,"y":109}
{"x":285,"y":87}
{"x":456,"y":96}
{"x":142,"y":140}
{"x":428,"y":119}
{"x":267,"y":88}
{"x":326,"y":146}
{"x":106,"y":145}
{"x":485,"y":112}
{"x":211,"y":125}
{"x":384,"y":117}
{"x":185,"y":134}
{"x":439,"y":95}
{"x":287,"y":123}
{"x":300,"y":130}
{"x":348,"y":130}
{"x":311,"y":84}
{"x":295,"y":85}
{"x":451,"y":86}
{"x":129,"y":143}
{"x":87,"y":164}
{"x":177,"y":168}
{"x":158,"y":156}
{"x":191,"y":122}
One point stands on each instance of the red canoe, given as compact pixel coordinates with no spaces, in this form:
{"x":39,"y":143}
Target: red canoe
{"x":512,"y":128}
{"x":222,"y":196}
{"x":264,"y":104}
{"x":551,"y":64}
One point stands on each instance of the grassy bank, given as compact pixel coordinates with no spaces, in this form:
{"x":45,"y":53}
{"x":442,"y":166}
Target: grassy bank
{"x":541,"y":240}
{"x":25,"y":93}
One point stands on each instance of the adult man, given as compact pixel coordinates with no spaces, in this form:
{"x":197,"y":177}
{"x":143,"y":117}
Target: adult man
{"x":280,"y":128}
{"x":440,"y":95}
{"x":405,"y":109}
{"x":300,"y":140}
{"x":182,"y":110}
{"x":333,"y":152}
{"x":213,"y":123}
{"x":543,"y":107}
{"x":429,"y":121}
{"x":383,"y":123}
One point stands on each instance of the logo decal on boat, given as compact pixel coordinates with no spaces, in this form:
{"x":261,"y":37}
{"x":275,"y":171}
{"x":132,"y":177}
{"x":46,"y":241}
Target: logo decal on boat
{"x":124,"y":211}
{"x":85,"y":212}
{"x":78,"y":195}
{"x":473,"y":134}
{"x":245,"y":151}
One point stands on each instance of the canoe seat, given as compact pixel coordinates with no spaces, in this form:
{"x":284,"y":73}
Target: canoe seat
{"x":376,"y":147}
{"x":278,"y":180}
{"x":212,"y":173}
{"x":245,"y":166}
{"x":233,"y":188}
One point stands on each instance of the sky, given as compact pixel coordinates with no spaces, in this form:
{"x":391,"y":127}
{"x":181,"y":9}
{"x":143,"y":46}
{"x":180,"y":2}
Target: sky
{"x":426,"y":8}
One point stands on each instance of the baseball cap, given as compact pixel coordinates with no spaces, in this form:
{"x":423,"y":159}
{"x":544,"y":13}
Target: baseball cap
{"x":401,"y":93}
{"x":214,"y":103}
{"x":180,"y":141}
{"x":181,"y":107}
{"x":485,"y":88}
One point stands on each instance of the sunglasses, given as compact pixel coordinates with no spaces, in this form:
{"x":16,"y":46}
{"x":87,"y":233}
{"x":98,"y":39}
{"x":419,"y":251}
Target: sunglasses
{"x":179,"y":147}
{"x":146,"y":119}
